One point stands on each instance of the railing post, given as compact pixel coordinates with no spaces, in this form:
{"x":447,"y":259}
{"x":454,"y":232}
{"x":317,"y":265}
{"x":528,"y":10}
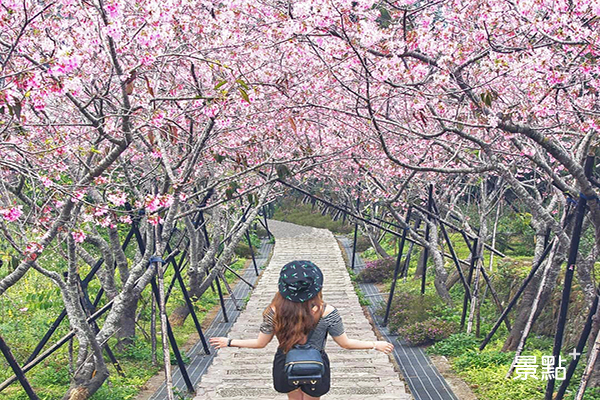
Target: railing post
{"x":516,"y":297}
{"x":355,"y":233}
{"x":188,"y":301}
{"x":474,"y":256}
{"x":266,"y":223}
{"x":172,"y":341}
{"x":252,"y":252}
{"x":571,"y":263}
{"x":453,"y":254}
{"x":17,"y":370}
{"x":397,"y":269}
{"x":221,"y":298}
{"x":426,"y":250}
{"x":587,"y":328}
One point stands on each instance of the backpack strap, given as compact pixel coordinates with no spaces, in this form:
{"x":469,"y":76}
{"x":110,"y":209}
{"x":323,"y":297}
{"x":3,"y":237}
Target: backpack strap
{"x":313,"y":330}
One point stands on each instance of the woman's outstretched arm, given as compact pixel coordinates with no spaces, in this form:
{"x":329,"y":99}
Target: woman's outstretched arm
{"x":260,"y":342}
{"x":352,"y":344}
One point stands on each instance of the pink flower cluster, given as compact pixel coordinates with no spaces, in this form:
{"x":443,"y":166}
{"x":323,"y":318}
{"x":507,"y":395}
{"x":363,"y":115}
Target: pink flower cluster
{"x":78,"y":236}
{"x":153,"y":203}
{"x":12,"y":214}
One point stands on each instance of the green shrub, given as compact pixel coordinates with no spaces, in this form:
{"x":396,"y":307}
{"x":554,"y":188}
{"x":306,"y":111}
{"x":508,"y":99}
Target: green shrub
{"x":362,"y":243}
{"x":261,"y":232}
{"x":427,"y":332}
{"x":410,"y":306}
{"x":377,"y":271}
{"x":484,"y":359}
{"x":139,"y":350}
{"x":455,"y":345}
{"x":243,"y":250}
{"x":303,"y":214}
{"x":490,"y":383}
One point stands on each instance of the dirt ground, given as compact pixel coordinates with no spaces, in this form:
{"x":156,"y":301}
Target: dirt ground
{"x":459,"y":387}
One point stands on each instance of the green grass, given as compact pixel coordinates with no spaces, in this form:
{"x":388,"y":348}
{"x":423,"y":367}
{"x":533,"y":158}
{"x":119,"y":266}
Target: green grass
{"x":303,"y":214}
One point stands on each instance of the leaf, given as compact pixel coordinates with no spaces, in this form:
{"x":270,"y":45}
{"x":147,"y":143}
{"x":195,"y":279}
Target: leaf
{"x":486,"y":98}
{"x":151,"y":137}
{"x":293,"y":124}
{"x":219,"y":158}
{"x":17,"y":109}
{"x":244,"y":95}
{"x":173,"y":134}
{"x":14,"y":262}
{"x":282,"y":171}
{"x":231,"y":190}
{"x":221,"y":83}
{"x":129,"y":87}
{"x":243,"y":84}
{"x":384,"y":20}
{"x":150,"y":90}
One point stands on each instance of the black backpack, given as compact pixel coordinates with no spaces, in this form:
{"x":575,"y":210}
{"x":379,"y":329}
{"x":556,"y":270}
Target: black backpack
{"x":304,"y":363}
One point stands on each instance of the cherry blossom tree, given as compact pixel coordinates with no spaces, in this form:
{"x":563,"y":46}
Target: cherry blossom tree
{"x":174,"y":107}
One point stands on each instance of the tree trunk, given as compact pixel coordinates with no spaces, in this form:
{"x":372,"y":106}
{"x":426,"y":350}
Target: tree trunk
{"x":380,"y":250}
{"x":86,"y":381}
{"x":514,"y":337}
{"x":228,"y":251}
{"x":594,"y":379}
{"x":91,"y":371}
{"x":420,"y":264}
{"x":180,"y":314}
{"x":586,"y":280}
{"x":372,"y":235}
{"x":535,"y":306}
{"x":126,"y":333}
{"x":590,"y":367}
{"x":453,"y":278}
{"x":441,"y":276}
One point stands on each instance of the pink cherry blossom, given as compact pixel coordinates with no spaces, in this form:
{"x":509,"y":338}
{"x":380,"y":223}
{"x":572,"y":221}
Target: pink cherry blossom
{"x":78,"y":236}
{"x":12,"y":214}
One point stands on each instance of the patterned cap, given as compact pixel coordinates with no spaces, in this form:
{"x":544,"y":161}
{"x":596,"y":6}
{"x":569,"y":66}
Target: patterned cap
{"x":300,"y":281}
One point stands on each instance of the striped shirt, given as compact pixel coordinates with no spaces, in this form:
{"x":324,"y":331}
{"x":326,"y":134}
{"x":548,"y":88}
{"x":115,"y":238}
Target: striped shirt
{"x":331,"y":323}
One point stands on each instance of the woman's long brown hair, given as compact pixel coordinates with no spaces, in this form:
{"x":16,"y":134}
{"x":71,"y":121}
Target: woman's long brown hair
{"x":293,"y":321}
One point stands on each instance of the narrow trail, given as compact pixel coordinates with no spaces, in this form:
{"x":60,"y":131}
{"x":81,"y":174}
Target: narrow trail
{"x":356,"y":374}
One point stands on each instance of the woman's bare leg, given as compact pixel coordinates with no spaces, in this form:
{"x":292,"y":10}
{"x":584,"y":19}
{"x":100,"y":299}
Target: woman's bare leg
{"x":296,"y":394}
{"x":308,"y":397}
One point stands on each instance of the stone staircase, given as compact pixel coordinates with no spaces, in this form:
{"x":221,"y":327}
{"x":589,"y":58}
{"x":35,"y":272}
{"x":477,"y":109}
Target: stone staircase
{"x":355,"y":374}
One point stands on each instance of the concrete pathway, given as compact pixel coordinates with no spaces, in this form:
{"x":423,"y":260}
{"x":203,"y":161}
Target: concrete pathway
{"x":356,"y":374}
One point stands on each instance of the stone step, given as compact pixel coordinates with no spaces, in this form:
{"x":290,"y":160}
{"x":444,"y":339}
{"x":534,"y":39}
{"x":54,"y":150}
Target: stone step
{"x":263,"y":393}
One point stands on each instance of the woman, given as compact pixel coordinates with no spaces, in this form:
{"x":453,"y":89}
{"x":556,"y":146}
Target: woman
{"x":296,"y":311}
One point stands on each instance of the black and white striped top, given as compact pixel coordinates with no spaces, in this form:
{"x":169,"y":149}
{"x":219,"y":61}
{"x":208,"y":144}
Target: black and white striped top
{"x":331,"y":323}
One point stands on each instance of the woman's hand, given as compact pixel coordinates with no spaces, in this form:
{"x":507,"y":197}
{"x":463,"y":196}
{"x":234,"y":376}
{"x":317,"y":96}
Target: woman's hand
{"x":384,"y":347}
{"x":218,"y":342}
